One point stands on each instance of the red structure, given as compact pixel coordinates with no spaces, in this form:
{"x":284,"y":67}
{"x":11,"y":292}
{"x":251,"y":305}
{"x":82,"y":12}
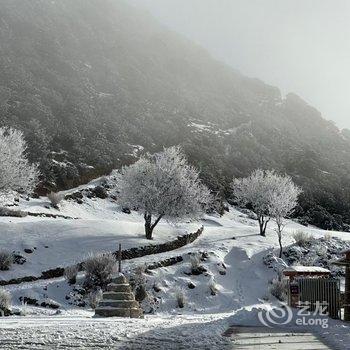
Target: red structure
{"x":294,"y":272}
{"x":345,"y":262}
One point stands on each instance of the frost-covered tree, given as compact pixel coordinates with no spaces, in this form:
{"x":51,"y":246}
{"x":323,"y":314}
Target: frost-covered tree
{"x":254,"y":191}
{"x":284,"y":199}
{"x":269,"y":195}
{"x":16,"y":173}
{"x":163,"y":186}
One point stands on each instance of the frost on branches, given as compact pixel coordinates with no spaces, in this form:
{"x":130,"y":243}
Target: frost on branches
{"x":271,"y":196}
{"x":16,"y":173}
{"x":254,"y":191}
{"x":163,"y":186}
{"x":284,"y":199}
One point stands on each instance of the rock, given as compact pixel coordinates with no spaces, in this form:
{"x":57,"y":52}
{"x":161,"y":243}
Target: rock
{"x":126,"y":210}
{"x":51,"y":304}
{"x":156,"y":288}
{"x":100,"y":192}
{"x":29,"y":250}
{"x":74,"y":196}
{"x":29,"y":301}
{"x":18,"y":258}
{"x":53,"y":273}
{"x":191,"y":285}
{"x":79,"y":290}
{"x":205,"y":256}
{"x":198,"y":270}
{"x":5,"y":312}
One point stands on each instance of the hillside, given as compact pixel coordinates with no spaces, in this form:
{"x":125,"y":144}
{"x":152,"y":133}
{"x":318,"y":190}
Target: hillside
{"x":224,"y":275}
{"x":93,"y":86}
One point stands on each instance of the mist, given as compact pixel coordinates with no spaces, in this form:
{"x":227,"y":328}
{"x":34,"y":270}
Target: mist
{"x":298,"y":46}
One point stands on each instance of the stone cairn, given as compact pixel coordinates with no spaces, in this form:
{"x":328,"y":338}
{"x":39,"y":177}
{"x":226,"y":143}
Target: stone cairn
{"x":119,"y":300}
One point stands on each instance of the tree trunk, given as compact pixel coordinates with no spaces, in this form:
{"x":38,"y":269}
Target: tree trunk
{"x":280,"y":243}
{"x":148,"y":226}
{"x":262,"y":226}
{"x":279,"y":231}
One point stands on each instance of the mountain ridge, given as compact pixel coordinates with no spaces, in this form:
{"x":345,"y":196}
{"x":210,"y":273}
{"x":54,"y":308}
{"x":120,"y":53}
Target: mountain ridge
{"x":93,"y":84}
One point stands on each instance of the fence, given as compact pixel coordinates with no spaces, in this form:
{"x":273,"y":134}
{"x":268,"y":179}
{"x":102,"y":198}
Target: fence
{"x":321,"y":290}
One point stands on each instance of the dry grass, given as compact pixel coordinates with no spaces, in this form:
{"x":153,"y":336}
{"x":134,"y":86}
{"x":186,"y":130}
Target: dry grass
{"x":55,"y":198}
{"x":279,"y":289}
{"x":5,"y":300}
{"x":180,"y":298}
{"x":302,"y":238}
{"x":70,"y":274}
{"x":6,"y":260}
{"x":99,"y":269}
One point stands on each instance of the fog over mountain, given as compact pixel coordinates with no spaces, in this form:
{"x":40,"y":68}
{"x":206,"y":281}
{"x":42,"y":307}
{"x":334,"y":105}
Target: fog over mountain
{"x":299,"y":46}
{"x":93,"y":86}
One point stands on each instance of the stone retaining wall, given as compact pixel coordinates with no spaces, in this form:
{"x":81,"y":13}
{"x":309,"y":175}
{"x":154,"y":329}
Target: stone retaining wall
{"x":127,"y":254}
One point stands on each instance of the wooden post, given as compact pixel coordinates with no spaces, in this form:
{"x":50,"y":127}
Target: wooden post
{"x":120,"y":258}
{"x":347,"y":295}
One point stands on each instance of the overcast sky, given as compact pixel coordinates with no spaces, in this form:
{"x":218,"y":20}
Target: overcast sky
{"x":301,"y":46}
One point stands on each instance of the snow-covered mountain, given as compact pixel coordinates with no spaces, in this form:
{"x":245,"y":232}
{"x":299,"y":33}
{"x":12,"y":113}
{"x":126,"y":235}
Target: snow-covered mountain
{"x":94,"y":84}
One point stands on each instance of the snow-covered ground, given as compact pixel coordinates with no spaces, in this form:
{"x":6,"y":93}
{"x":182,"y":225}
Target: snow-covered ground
{"x":152,"y":333}
{"x":61,"y":242}
{"x":232,"y":253}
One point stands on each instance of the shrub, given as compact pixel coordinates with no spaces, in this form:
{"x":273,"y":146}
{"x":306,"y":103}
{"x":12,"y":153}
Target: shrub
{"x":99,"y":269}
{"x":5,"y":300}
{"x":302,"y":238}
{"x":214,"y":288}
{"x":138,"y":276}
{"x":309,"y":260}
{"x":321,"y":251}
{"x":55,"y":198}
{"x":94,"y":298}
{"x":6,"y":260}
{"x":13,"y":213}
{"x":195,"y":260}
{"x":180,"y":298}
{"x":70,"y":274}
{"x":328,"y":237}
{"x":138,"y":282}
{"x":279,"y":289}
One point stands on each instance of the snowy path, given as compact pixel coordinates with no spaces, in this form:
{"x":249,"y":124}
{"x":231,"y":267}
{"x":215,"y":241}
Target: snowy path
{"x":152,"y":333}
{"x":258,"y":338}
